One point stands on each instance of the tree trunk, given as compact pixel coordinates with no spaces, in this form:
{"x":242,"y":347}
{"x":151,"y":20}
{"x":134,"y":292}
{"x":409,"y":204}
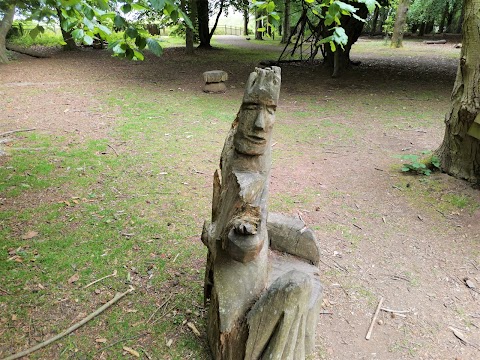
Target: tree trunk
{"x":441,"y":27}
{"x":421,"y":29}
{"x":400,"y":20}
{"x":67,"y":35}
{"x":353,"y":28}
{"x":429,"y":27}
{"x":462,"y":18}
{"x":286,"y":23}
{"x":258,"y":24}
{"x":245,"y":22}
{"x":222,"y":3}
{"x":203,"y":31}
{"x":460,"y":151}
{"x":373,"y":30}
{"x":188,"y":7}
{"x":5,"y":25}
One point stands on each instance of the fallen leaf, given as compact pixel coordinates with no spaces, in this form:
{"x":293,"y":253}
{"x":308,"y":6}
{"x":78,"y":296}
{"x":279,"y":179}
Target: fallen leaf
{"x":169,"y":342}
{"x":193,"y":328}
{"x":131,"y":351}
{"x":29,"y":235}
{"x":14,"y":317}
{"x":73,"y":278}
{"x":101,"y":340}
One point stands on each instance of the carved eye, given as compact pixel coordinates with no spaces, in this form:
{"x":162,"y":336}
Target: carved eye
{"x":271,"y":110}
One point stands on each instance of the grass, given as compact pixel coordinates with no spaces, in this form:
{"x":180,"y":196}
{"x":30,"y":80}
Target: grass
{"x":135,"y":200}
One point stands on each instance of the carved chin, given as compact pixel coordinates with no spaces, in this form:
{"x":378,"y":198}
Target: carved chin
{"x":250,"y":145}
{"x":244,"y":248}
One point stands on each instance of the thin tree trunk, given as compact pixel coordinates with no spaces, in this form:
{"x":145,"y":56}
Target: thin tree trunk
{"x":258,"y":24}
{"x":421,"y":29}
{"x":460,"y":151}
{"x":441,"y":27}
{"x":400,"y":20}
{"x":286,"y":23}
{"x":373,"y":30}
{"x":5,"y":25}
{"x":67,"y":35}
{"x":222,"y":3}
{"x":245,"y":22}
{"x":460,"y":22}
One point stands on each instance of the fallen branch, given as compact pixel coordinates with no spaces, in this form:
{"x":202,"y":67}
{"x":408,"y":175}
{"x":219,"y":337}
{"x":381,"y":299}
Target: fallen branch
{"x":25,"y":51}
{"x":15,"y":131}
{"x":72,"y":328}
{"x":161,"y":306}
{"x":103,"y":278}
{"x":370,"y":329}
{"x":434,"y":42}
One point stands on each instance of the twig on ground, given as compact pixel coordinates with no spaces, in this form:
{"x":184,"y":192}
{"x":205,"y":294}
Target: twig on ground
{"x":103,"y":278}
{"x":15,"y":131}
{"x":395,"y":311}
{"x":370,"y":329}
{"x":462,"y":338}
{"x":157,"y":309}
{"x":5,"y":291}
{"x":119,"y":341}
{"x":111,"y":147}
{"x":72,"y":328}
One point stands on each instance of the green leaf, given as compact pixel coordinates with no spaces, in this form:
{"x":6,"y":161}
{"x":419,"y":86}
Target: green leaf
{"x":119,"y":22}
{"x":346,"y":7}
{"x":157,"y":4}
{"x":126,"y":8}
{"x":141,"y":42}
{"x":90,"y":25}
{"x":102,"y":4}
{"x":154,"y":46}
{"x":34,"y":32}
{"x":186,"y":19}
{"x":119,"y":48}
{"x":261,"y":29}
{"x":87,"y":39}
{"x":270,"y":7}
{"x":78,"y":34}
{"x":88,"y":12}
{"x":332,"y":46}
{"x":405,"y":169}
{"x":370,"y":4}
{"x":131,"y":32}
{"x":103,"y":29}
{"x":138,"y":55}
{"x":339,"y":36}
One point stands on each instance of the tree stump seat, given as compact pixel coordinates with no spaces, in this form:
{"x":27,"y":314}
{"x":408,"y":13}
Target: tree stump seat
{"x":215,"y":81}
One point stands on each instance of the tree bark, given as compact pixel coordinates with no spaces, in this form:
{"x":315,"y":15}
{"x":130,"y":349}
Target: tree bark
{"x":203,"y":31}
{"x":400,"y":20}
{"x":222,"y":3}
{"x":286,"y":23}
{"x":188,"y":7}
{"x":70,"y":43}
{"x":460,"y":151}
{"x":373,"y":30}
{"x":258,"y":24}
{"x":353,"y":28}
{"x":441,"y":27}
{"x":5,"y":25}
{"x":245,"y":22}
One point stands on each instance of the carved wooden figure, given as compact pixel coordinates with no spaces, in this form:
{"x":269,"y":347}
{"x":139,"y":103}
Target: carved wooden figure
{"x":263,"y":303}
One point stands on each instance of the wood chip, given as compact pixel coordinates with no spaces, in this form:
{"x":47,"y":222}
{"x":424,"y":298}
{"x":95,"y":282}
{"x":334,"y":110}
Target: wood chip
{"x":193,"y":328}
{"x":73,"y":278}
{"x":101,"y":340}
{"x":131,"y":351}
{"x":29,"y":235}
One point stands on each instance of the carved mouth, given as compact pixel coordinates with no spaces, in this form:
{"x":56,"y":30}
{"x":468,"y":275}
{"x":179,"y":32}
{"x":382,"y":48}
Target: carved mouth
{"x":256,"y":139}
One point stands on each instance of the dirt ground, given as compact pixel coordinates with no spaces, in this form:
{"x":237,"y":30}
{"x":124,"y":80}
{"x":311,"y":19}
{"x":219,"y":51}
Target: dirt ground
{"x":377,"y":241}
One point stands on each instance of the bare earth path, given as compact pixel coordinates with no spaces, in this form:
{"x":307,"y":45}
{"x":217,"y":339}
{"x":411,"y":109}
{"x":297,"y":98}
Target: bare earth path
{"x":383,"y":233}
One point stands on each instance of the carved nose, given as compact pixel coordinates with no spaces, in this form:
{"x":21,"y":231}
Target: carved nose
{"x":260,"y":121}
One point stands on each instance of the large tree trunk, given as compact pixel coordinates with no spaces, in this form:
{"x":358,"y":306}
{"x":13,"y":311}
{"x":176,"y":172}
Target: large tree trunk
{"x":340,"y":59}
{"x":245,"y":21}
{"x":5,"y":25}
{"x":400,"y":20}
{"x":286,"y":23}
{"x":441,"y":27}
{"x":203,"y":31}
{"x":460,"y":151}
{"x":67,"y":35}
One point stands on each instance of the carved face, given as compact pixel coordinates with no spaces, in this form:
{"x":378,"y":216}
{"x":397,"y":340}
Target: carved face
{"x":254,"y":129}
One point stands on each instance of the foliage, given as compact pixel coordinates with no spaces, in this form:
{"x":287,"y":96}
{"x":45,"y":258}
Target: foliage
{"x":89,"y":20}
{"x":421,"y":164}
{"x":328,"y":12}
